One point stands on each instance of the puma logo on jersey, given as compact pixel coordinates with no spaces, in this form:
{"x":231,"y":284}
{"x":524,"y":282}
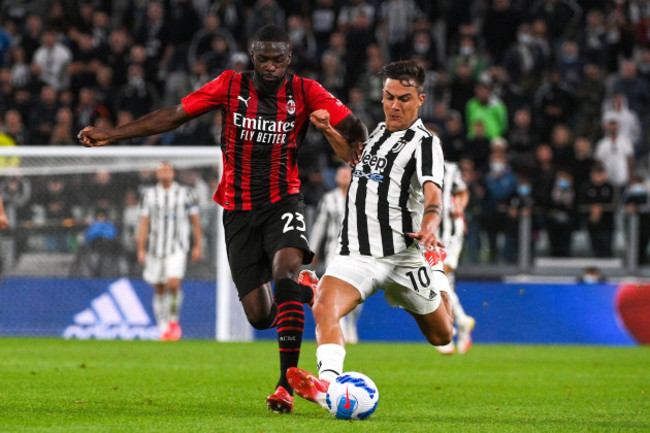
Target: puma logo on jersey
{"x":244,"y":100}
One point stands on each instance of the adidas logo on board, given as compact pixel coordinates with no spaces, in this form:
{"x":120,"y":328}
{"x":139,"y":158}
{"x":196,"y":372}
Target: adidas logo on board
{"x":115,"y":314}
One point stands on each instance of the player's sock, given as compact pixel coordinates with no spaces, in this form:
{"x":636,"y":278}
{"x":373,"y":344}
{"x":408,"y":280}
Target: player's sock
{"x":175,"y":304}
{"x":159,"y":311}
{"x":330,"y":359}
{"x":460,"y":317}
{"x":290,"y":324}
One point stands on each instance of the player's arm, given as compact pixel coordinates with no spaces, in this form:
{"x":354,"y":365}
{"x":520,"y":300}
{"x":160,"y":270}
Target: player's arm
{"x":346,"y":138}
{"x":460,"y":203}
{"x":356,"y":133}
{"x":431,"y":218}
{"x":156,"y":122}
{"x":141,"y":239}
{"x":4,"y":221}
{"x":197,"y":249}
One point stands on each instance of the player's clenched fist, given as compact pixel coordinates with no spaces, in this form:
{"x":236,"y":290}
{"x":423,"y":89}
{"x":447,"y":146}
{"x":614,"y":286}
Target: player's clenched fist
{"x":91,"y":137}
{"x":320,"y":119}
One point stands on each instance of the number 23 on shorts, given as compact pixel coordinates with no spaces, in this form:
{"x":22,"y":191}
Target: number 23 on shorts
{"x":293,"y":221}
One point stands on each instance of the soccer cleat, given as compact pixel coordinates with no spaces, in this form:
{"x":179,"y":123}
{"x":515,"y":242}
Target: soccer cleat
{"x":465,"y":335}
{"x":447,"y":349}
{"x":435,"y":256}
{"x":175,"y":332}
{"x":308,"y":386}
{"x":280,"y":401}
{"x":308,"y":278}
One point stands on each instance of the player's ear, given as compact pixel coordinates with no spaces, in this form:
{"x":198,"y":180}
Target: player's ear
{"x":422,"y":97}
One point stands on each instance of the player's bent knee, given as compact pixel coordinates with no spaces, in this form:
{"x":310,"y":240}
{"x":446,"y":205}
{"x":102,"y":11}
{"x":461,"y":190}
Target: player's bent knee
{"x":323,"y":314}
{"x":265,"y":323}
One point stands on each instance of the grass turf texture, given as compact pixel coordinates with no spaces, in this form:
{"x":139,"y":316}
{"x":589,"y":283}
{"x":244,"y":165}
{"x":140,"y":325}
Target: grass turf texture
{"x":53,"y":385}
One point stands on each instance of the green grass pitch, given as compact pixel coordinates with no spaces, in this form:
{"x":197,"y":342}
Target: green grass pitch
{"x":53,"y":385}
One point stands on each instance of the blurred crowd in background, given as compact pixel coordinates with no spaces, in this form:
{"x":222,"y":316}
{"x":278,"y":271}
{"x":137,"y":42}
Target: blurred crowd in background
{"x":545,"y":105}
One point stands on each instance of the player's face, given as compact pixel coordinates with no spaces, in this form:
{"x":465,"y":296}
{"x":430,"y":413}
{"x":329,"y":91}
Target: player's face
{"x":165,"y":173}
{"x":270,"y":61}
{"x":401,"y":104}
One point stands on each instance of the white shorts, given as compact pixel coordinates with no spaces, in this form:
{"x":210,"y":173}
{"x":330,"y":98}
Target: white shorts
{"x":406,"y":278}
{"x":454,"y":245}
{"x":157,"y":270}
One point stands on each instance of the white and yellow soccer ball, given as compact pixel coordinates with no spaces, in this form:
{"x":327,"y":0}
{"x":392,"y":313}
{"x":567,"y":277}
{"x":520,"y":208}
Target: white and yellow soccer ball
{"x":352,"y":396}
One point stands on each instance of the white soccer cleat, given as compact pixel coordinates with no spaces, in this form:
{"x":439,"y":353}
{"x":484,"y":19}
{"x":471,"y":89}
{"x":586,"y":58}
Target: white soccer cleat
{"x":447,"y":349}
{"x":465,"y":335}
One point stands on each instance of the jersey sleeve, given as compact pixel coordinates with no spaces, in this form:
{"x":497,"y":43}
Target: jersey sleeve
{"x":318,"y":98}
{"x":192,"y":202}
{"x":143,"y":210}
{"x":211,"y":95}
{"x":430,"y":161}
{"x":459,"y":184}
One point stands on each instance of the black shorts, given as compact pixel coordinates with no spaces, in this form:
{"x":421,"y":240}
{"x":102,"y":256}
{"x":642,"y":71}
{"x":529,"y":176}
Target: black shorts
{"x":253,"y":238}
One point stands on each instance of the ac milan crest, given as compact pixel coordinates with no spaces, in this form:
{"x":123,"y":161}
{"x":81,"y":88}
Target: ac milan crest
{"x":291,"y":106}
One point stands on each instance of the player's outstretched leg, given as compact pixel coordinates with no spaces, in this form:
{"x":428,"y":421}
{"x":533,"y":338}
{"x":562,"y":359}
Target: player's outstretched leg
{"x":290,"y":324}
{"x":308,"y":386}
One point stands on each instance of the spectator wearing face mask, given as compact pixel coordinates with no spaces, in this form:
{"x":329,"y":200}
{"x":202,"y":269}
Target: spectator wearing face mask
{"x":591,"y":275}
{"x":468,"y":56}
{"x":499,"y":183}
{"x":524,"y":60}
{"x":520,"y":205}
{"x":560,"y":222}
{"x":597,"y":205}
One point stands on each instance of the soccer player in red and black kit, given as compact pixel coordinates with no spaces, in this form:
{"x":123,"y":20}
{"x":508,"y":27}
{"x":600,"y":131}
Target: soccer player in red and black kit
{"x":265,"y":119}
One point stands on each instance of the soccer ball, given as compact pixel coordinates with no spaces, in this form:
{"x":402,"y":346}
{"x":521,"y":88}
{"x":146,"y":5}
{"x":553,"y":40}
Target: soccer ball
{"x":352,"y":396}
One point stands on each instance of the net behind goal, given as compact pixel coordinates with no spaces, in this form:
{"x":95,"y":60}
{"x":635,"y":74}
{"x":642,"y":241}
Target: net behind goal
{"x":54,"y":195}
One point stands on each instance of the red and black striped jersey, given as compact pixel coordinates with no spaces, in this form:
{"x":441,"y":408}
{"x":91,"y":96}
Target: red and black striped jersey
{"x":261,"y":134}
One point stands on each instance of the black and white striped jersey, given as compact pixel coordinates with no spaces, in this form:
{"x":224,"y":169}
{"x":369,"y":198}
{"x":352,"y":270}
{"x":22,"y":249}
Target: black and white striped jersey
{"x":327,"y":224}
{"x":169,"y":213}
{"x":384,"y":201}
{"x":453,"y":183}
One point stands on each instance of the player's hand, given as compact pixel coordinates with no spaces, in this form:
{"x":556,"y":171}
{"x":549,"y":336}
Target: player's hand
{"x":141,"y":256}
{"x":356,"y":149}
{"x":197,"y":253}
{"x":92,"y":137}
{"x":4,"y":222}
{"x":320,"y":119}
{"x":428,"y":240}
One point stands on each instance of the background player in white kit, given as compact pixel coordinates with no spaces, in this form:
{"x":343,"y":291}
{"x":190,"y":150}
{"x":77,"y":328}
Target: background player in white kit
{"x":384,"y":232}
{"x":324,"y":239}
{"x":455,"y":197}
{"x":168,"y":211}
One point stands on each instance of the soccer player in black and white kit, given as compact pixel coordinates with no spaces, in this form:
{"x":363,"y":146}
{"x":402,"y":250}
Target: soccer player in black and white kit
{"x":386,"y":231}
{"x":455,"y":196}
{"x":324,"y":238}
{"x":168,"y":212}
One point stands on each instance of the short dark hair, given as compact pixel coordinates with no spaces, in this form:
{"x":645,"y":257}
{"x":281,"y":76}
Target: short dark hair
{"x":405,"y":71}
{"x":271,"y":33}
